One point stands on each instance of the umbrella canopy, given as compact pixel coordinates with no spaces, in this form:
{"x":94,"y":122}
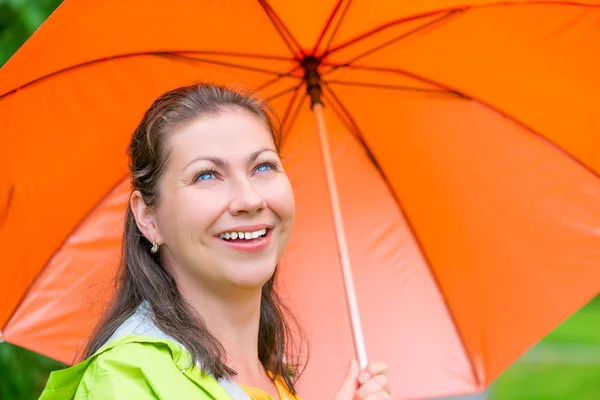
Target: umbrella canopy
{"x":464,"y":142}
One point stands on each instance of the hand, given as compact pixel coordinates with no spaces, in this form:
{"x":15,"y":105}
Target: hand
{"x":368,"y":384}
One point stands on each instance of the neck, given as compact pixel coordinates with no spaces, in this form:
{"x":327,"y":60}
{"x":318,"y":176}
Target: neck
{"x":233,"y":317}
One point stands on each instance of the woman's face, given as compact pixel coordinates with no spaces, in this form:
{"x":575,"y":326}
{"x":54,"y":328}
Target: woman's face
{"x":226,"y":206}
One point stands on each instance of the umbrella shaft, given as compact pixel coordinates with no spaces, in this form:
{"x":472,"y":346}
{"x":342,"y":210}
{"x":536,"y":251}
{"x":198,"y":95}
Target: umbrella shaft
{"x":357,"y":331}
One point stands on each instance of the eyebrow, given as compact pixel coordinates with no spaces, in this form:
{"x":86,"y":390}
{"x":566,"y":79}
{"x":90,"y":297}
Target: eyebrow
{"x":224,"y":164}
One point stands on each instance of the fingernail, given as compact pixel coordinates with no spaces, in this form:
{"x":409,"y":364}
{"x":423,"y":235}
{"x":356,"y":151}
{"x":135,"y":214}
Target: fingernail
{"x":364,"y":377}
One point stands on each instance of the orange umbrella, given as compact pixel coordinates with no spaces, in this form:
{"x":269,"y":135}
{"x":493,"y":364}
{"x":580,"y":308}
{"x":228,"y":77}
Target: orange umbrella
{"x":459,"y":182}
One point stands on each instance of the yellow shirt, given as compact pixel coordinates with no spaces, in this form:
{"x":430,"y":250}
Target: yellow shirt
{"x":282,"y":391}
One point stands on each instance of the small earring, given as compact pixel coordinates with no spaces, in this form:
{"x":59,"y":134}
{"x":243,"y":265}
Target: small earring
{"x":154,"y":248}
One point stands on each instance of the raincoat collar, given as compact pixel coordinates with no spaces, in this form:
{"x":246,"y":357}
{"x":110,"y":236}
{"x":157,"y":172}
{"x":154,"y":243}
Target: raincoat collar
{"x":140,"y":328}
{"x":141,"y":324}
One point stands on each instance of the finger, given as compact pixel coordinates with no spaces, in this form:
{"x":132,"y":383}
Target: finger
{"x":373,"y":369}
{"x":379,"y":396}
{"x":376,"y":385}
{"x":350,"y":383}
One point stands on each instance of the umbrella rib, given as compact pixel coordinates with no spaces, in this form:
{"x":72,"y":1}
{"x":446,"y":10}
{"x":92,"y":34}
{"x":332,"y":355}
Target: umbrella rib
{"x":292,"y":119}
{"x":345,"y":117}
{"x":490,"y":106}
{"x":450,"y":10}
{"x":278,"y":78}
{"x":337,"y":27}
{"x":328,"y":24}
{"x":222,"y":63}
{"x":285,"y":91}
{"x":392,"y":87}
{"x":283,"y":31}
{"x":442,"y":18}
{"x":419,"y":243}
{"x":235,"y":54}
{"x":381,"y":28}
{"x":290,"y":105}
{"x":59,"y":248}
{"x":116,"y":57}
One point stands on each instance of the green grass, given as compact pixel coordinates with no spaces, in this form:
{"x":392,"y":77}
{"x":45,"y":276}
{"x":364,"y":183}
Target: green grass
{"x":564,"y":365}
{"x":541,"y":381}
{"x":583,"y":327}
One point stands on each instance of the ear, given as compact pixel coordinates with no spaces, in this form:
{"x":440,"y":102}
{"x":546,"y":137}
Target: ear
{"x":145,"y":218}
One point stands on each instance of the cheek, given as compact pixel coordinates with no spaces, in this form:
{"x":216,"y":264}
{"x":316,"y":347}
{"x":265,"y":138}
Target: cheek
{"x":190,"y":213}
{"x":280,"y":199}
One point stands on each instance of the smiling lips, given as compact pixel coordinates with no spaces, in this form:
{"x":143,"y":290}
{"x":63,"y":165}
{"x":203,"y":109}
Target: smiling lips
{"x":243,"y":235}
{"x":247,"y":239}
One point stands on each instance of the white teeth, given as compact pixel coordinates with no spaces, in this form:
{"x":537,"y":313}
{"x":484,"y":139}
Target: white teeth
{"x":243,"y":235}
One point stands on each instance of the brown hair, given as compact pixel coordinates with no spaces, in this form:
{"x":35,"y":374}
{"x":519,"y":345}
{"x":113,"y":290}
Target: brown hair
{"x":141,"y":277}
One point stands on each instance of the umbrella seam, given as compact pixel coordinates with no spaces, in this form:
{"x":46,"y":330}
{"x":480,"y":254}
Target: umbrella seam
{"x":9,"y":198}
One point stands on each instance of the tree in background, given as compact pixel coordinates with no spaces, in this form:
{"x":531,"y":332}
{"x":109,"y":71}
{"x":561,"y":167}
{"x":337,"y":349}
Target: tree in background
{"x":18,"y":20}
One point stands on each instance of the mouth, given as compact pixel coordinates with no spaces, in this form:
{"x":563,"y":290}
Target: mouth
{"x":244,"y":236}
{"x":247,"y":239}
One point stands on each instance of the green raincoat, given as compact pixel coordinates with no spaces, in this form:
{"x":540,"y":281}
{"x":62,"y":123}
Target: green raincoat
{"x":139,"y":362}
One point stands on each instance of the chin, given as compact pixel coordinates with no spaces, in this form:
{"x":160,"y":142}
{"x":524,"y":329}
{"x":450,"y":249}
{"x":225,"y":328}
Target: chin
{"x":250,"y":277}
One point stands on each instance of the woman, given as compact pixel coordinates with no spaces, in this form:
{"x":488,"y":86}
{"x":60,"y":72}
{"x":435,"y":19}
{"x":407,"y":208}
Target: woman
{"x":196,"y":314}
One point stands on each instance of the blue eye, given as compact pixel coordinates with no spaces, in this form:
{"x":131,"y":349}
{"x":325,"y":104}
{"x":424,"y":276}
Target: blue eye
{"x":268,"y":165}
{"x":206,"y":175}
{"x":263,"y":167}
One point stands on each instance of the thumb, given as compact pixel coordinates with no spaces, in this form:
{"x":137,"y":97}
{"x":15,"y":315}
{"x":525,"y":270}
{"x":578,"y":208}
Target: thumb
{"x":350,"y":384}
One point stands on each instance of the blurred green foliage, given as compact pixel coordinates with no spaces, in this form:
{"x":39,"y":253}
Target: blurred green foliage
{"x":565,"y":365}
{"x":18,"y":20}
{"x":23,"y":373}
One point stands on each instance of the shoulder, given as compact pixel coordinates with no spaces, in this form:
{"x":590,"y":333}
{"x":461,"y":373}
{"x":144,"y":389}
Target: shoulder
{"x":131,"y":370}
{"x":130,"y":353}
{"x":139,"y":352}
{"x":130,"y":367}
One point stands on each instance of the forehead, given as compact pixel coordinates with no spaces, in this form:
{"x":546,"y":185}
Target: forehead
{"x":228,"y":134}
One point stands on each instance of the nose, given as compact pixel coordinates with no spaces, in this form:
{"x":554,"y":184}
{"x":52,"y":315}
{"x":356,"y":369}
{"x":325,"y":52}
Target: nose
{"x":245,"y":199}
